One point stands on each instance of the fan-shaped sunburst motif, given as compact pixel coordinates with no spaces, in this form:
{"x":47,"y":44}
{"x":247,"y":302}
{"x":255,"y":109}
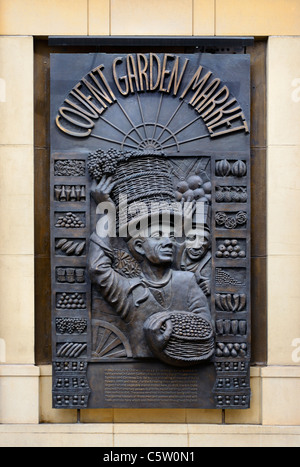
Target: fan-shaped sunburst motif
{"x":109,"y":341}
{"x":168,"y":128}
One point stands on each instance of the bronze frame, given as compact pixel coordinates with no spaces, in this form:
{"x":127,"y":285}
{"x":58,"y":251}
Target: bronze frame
{"x":42,"y":229}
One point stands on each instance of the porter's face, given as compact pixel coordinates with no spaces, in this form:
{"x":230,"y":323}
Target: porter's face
{"x":197,"y":243}
{"x":157,"y":246}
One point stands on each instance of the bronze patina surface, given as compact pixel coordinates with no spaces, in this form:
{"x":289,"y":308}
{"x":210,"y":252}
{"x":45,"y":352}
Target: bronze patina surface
{"x":143,"y":316}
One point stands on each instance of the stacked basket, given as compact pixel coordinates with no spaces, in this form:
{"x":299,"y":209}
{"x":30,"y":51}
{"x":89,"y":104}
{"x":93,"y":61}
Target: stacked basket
{"x":141,"y":178}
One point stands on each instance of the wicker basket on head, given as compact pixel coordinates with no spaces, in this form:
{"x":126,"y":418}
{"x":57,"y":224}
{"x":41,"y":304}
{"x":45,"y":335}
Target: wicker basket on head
{"x":144,"y":179}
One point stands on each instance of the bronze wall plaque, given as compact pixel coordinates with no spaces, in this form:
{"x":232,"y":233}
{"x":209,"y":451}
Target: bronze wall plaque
{"x":150,"y":230}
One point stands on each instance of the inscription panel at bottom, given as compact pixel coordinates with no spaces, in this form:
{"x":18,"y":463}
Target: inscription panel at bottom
{"x":154,"y":385}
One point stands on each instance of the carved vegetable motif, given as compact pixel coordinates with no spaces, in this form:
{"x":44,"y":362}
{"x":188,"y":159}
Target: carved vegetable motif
{"x":223,"y":278}
{"x":227,"y":195}
{"x":71,"y":349}
{"x":231,"y":349}
{"x":231,"y":327}
{"x":70,"y":247}
{"x":219,"y":194}
{"x":69,"y":193}
{"x":239,"y":169}
{"x":231,"y":194}
{"x":243,"y":195}
{"x":223,"y":168}
{"x":231,"y":221}
{"x":241,"y":217}
{"x":69,"y":168}
{"x":230,"y":302}
{"x":221,"y":218}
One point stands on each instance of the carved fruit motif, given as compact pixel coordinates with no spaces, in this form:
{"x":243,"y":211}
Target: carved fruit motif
{"x":219,"y":195}
{"x":243,"y":195}
{"x":223,"y":168}
{"x":239,"y":169}
{"x":227,"y":195}
{"x":193,"y":189}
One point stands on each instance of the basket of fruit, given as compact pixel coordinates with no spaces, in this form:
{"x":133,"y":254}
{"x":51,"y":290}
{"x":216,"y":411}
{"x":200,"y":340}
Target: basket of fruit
{"x":192,"y":337}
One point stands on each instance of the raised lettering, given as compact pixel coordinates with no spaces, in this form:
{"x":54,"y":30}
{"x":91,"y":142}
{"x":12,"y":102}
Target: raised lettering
{"x":132,"y":73}
{"x":143,"y":71}
{"x":228,"y":122}
{"x":206,"y":93}
{"x":196,"y":83}
{"x":218,"y":114}
{"x":165,"y":72}
{"x":63,"y":110}
{"x":155,"y":58}
{"x":174,"y":75}
{"x":70,"y":132}
{"x":125,"y":91}
{"x":86,"y":98}
{"x":98,"y":69}
{"x":96,"y":92}
{"x":214,"y":101}
{"x":91,"y":113}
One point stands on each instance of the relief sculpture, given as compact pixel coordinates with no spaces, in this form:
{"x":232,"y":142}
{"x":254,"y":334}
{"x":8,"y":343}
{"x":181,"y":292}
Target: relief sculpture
{"x":164,"y":307}
{"x":150,"y":230}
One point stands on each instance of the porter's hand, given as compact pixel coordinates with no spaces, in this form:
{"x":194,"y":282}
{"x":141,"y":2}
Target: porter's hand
{"x":158,"y":329}
{"x":101,"y":191}
{"x":205,"y":286}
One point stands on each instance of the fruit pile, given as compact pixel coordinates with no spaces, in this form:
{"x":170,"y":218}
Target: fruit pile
{"x":71,"y":325}
{"x":103,"y":163}
{"x":190,"y":325}
{"x":230,"y":249}
{"x":70,"y":220}
{"x":69,"y":168}
{"x":231,"y":349}
{"x":223,"y":278}
{"x":193,"y":189}
{"x":71,"y":301}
